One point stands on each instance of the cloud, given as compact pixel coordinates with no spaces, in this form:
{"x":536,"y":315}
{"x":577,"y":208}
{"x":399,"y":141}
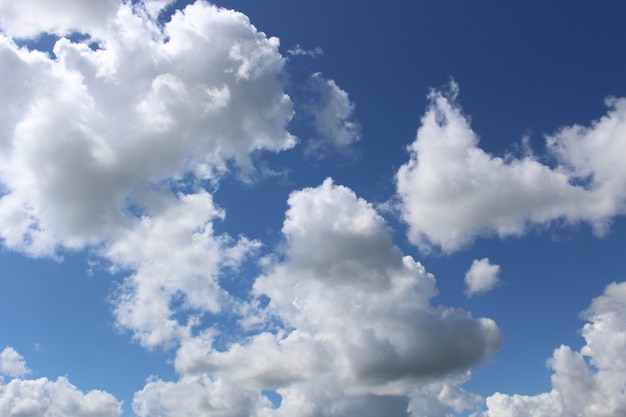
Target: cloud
{"x":45,"y":398}
{"x":332,"y":113}
{"x":452,"y":192}
{"x":338,"y":282}
{"x":176,"y":260}
{"x":481,"y":277}
{"x":347,"y":321}
{"x":300,"y":51}
{"x":589,"y":383}
{"x":85,"y":133}
{"x":196,"y":396}
{"x":12,"y":364}
{"x":29,"y":18}
{"x":438,"y":398}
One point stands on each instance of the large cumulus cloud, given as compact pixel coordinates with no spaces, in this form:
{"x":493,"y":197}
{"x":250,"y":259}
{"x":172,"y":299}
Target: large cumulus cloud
{"x":342,"y":320}
{"x":84,"y":132}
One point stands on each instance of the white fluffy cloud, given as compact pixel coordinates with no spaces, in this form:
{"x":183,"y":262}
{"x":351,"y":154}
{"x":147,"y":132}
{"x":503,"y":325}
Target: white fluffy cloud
{"x":452,"y":191}
{"x":343,"y":282}
{"x":45,"y":398}
{"x":29,"y":18}
{"x":481,"y":277}
{"x":196,"y":396}
{"x":97,"y":142}
{"x":12,"y":364}
{"x":175,"y":257}
{"x":86,"y":132}
{"x":589,"y":383}
{"x":348,"y":323}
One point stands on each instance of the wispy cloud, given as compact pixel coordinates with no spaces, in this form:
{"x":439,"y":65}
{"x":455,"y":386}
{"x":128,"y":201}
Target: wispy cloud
{"x":300,"y":51}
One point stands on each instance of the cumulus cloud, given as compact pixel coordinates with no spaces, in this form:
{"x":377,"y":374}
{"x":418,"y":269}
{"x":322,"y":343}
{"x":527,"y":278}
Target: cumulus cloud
{"x":12,"y":364}
{"x":438,"y":398}
{"x":332,"y":113}
{"x":110,"y":147}
{"x":107,"y":143}
{"x":481,"y":277}
{"x":196,"y":396}
{"x":452,"y":192}
{"x":345,"y":283}
{"x":348,"y":321}
{"x":46,"y":398}
{"x":176,"y":259}
{"x":85,"y":132}
{"x":29,"y":18}
{"x":589,"y":383}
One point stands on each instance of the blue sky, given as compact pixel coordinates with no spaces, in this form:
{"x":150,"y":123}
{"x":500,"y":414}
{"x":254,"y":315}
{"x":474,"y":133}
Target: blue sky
{"x":249,"y":208}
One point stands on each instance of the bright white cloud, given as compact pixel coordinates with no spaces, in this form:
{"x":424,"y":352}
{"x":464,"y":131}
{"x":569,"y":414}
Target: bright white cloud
{"x":481,"y":277}
{"x":94,"y":141}
{"x":451,"y":191}
{"x":84,"y":134}
{"x":196,"y":396}
{"x":176,"y":258}
{"x":12,"y":364}
{"x":352,"y":321}
{"x":589,"y":383}
{"x":45,"y":398}
{"x":29,"y":18}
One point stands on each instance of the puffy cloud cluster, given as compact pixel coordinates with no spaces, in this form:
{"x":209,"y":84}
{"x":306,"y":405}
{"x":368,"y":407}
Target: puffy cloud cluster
{"x":107,"y":143}
{"x":195,"y":396}
{"x":481,"y":277}
{"x":343,"y":282}
{"x":452,"y":191}
{"x":29,"y":18}
{"x":347,"y":326}
{"x":175,"y":257}
{"x":85,"y":132}
{"x":589,"y":383}
{"x":45,"y":398}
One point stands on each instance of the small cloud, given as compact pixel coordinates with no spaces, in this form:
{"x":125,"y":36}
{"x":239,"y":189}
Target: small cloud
{"x":481,"y":277}
{"x":12,"y":364}
{"x":300,"y":51}
{"x":333,"y":115}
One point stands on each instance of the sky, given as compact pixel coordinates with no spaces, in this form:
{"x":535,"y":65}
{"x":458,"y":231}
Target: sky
{"x":312,"y":209}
